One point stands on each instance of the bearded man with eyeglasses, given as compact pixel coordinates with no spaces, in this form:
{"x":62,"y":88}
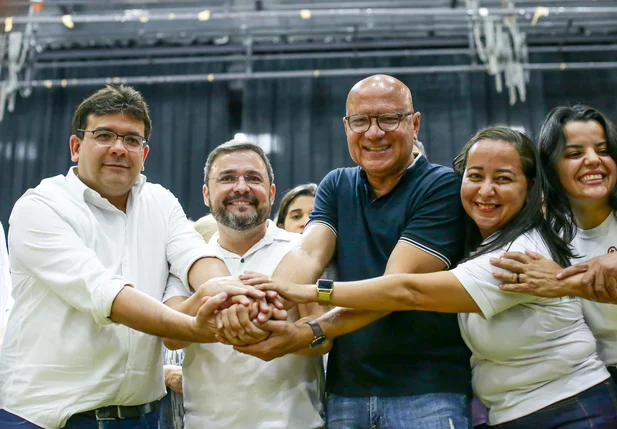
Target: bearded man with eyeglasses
{"x":393,"y":213}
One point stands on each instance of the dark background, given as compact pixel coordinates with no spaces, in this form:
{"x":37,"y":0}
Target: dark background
{"x":298,"y":120}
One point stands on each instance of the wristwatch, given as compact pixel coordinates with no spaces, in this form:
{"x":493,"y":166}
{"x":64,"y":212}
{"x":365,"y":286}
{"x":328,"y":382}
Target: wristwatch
{"x":324,"y":291}
{"x":319,"y":336}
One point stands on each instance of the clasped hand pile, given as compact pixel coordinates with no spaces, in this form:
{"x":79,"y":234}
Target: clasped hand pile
{"x":250,"y":313}
{"x":253,"y":301}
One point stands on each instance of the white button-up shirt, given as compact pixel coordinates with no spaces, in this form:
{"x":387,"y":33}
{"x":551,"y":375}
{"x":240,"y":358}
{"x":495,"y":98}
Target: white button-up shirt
{"x":71,"y":252}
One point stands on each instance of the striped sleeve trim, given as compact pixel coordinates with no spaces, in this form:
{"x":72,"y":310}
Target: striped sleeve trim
{"x":427,"y":250}
{"x":321,"y":222}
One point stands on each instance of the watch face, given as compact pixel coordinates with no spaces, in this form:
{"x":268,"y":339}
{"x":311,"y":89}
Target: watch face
{"x":325,"y":284}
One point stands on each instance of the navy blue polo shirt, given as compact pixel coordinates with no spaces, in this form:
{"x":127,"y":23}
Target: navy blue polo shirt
{"x":405,"y":353}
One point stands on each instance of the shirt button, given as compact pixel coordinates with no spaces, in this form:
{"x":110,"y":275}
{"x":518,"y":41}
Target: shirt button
{"x":242,"y":260}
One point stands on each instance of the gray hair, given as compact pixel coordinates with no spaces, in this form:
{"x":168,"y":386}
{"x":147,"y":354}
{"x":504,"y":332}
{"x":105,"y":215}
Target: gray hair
{"x":237,"y":146}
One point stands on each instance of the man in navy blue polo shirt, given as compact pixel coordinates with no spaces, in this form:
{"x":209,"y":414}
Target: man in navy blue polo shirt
{"x":392,"y":214}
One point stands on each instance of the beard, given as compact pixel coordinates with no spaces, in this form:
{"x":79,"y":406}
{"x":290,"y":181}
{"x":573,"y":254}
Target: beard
{"x":241,"y":221}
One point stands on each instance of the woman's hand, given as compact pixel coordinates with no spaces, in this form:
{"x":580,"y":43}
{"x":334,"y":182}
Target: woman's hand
{"x":599,"y":277}
{"x":530,"y":273}
{"x":300,"y":294}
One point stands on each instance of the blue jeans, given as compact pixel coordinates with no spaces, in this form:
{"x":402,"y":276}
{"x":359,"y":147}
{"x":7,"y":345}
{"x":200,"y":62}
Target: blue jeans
{"x":594,"y":408}
{"x":429,"y":411}
{"x":11,"y":421}
{"x":78,"y":421}
{"x":171,"y":411}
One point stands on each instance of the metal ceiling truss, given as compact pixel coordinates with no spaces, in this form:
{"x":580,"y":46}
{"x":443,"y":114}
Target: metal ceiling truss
{"x":495,"y":35}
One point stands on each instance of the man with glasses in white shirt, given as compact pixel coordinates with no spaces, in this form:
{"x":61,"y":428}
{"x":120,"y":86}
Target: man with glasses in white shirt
{"x":91,"y":253}
{"x":222,"y":387}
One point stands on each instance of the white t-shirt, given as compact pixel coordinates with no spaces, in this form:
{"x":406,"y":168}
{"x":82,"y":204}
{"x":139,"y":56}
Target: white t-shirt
{"x":527,"y":352}
{"x":601,"y":318}
{"x":227,"y":389}
{"x":71,"y":253}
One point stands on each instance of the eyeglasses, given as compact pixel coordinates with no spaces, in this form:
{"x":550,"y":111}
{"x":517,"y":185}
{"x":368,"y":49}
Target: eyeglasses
{"x":232,"y":179}
{"x":386,"y":121}
{"x":106,"y":138}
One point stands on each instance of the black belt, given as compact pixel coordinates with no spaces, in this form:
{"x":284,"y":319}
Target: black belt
{"x":115,"y":412}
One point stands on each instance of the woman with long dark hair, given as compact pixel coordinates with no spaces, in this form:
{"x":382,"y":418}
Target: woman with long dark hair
{"x":578,"y":146}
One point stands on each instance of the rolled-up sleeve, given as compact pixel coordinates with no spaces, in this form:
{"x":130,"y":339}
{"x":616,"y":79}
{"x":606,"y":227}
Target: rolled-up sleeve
{"x":174,"y":288}
{"x":184,"y":244}
{"x":44,"y":245}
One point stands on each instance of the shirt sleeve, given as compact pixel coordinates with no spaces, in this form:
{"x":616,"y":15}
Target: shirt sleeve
{"x":436,"y":224}
{"x":5,"y":278}
{"x":325,"y":210}
{"x":184,"y":244}
{"x":174,"y":288}
{"x":476,"y":277}
{"x":43,"y":245}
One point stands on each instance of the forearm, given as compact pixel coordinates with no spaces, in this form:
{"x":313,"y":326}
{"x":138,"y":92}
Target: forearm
{"x":186,"y":305}
{"x":440,"y":291}
{"x":205,"y":269}
{"x":298,"y":257}
{"x":340,"y":321}
{"x":172,"y":344}
{"x":573,"y":286}
{"x":312,"y":312}
{"x":320,"y":350}
{"x":306,"y":262}
{"x":144,"y":313}
{"x":387,"y":293}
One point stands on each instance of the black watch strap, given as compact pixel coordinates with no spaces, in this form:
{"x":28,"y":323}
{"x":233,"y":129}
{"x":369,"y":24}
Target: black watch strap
{"x":318,"y":334}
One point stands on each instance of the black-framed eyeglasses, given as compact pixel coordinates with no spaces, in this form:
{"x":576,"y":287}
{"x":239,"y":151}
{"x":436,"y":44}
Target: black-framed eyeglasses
{"x":232,"y":179}
{"x":106,"y":138}
{"x":386,"y":121}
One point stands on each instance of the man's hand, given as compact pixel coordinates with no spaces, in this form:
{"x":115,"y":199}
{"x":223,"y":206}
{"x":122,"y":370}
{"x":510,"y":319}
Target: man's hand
{"x":232,"y":286}
{"x":237,"y":325}
{"x":286,"y":337}
{"x":532,"y":274}
{"x":204,"y":323}
{"x":173,"y":378}
{"x":599,"y":277}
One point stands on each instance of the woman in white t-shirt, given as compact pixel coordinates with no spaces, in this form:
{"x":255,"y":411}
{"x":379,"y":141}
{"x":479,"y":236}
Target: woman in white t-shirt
{"x":534,"y":359}
{"x":578,"y":147}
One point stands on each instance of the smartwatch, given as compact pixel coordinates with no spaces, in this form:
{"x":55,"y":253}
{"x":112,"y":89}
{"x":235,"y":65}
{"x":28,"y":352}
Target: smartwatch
{"x":324,"y":291}
{"x":319,"y":336}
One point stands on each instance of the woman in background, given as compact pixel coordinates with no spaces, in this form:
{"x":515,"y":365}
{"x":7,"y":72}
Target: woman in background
{"x":295,"y":208}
